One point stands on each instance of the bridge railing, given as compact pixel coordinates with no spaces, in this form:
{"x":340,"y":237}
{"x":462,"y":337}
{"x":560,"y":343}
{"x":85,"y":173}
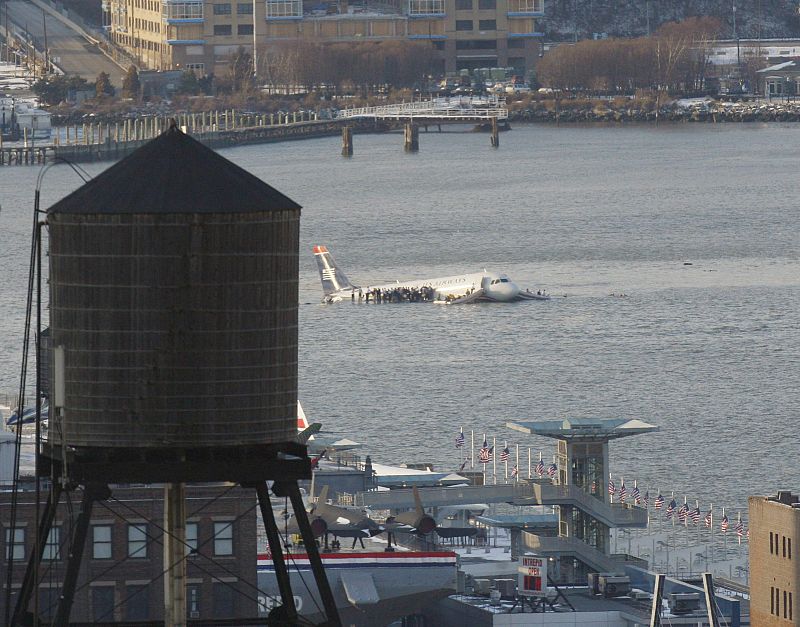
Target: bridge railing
{"x":437,"y":108}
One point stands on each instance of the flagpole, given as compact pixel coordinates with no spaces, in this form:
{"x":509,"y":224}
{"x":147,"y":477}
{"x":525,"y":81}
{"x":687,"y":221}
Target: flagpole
{"x":494,"y":458}
{"x":471,"y":456}
{"x":505,"y":463}
{"x":697,"y":508}
{"x":517,"y":464}
{"x":725,"y":536}
{"x":711,"y":511}
{"x":530,"y":476}
{"x":482,"y":464}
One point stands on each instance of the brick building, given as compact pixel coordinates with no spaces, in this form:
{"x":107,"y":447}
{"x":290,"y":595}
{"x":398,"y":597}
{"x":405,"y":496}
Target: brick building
{"x":201,"y":35}
{"x":121,"y":572}
{"x":774,"y":562}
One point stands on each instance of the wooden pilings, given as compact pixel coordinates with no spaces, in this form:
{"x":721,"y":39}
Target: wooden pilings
{"x":347,"y":141}
{"x":411,"y":137}
{"x":495,"y":137}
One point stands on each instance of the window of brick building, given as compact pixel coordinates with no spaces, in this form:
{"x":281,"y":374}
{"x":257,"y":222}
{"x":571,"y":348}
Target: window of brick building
{"x":137,"y":602}
{"x":222,"y":9}
{"x":15,"y":543}
{"x":101,"y":542}
{"x":222,"y":29}
{"x":487,"y":25}
{"x":103,"y":603}
{"x":137,"y":540}
{"x":244,"y":29}
{"x":463,"y":25}
{"x":223,"y":538}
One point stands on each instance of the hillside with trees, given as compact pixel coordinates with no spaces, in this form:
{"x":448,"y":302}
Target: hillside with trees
{"x":567,"y":20}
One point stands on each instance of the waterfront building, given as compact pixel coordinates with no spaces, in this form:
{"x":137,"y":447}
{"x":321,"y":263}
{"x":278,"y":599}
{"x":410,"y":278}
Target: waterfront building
{"x":774,"y":563}
{"x":201,"y":35}
{"x":121,"y":574}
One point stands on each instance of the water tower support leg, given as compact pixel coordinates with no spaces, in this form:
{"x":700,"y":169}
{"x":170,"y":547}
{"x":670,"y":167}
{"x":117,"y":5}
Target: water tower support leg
{"x":28,"y":583}
{"x":281,"y":572}
{"x":91,"y":493}
{"x":310,"y":543}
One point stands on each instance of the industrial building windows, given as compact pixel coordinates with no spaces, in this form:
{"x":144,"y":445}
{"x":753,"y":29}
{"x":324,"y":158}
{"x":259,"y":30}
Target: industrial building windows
{"x":223,"y":538}
{"x":485,"y":5}
{"x":772,"y":599}
{"x":244,"y":8}
{"x":784,"y":545}
{"x":199,"y":69}
{"x":488,"y":24}
{"x":101,"y":542}
{"x":789,"y":605}
{"x":48,"y":602}
{"x":137,"y":602}
{"x":222,"y":9}
{"x":183,"y":10}
{"x":223,"y":600}
{"x":476,"y":44}
{"x":137,"y":540}
{"x":191,"y":538}
{"x":463,"y":25}
{"x":222,"y":29}
{"x":15,"y":543}
{"x":103,"y":603}
{"x":244,"y":29}
{"x":784,"y":603}
{"x":425,"y":7}
{"x":52,"y":548}
{"x":789,"y":544}
{"x":284,"y":8}
{"x":771,"y":543}
{"x":463,"y":5}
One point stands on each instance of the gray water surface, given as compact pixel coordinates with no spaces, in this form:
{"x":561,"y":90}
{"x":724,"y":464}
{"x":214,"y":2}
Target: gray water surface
{"x":709,"y":352}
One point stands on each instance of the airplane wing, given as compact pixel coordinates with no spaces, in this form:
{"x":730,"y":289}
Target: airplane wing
{"x":531,"y":296}
{"x":474,"y":297}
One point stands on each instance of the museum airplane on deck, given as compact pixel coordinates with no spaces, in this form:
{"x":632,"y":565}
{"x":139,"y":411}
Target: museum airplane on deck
{"x":462,"y":288}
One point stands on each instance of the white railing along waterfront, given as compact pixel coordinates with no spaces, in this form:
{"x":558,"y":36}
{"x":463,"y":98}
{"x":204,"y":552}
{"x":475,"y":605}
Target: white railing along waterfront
{"x":437,"y":108}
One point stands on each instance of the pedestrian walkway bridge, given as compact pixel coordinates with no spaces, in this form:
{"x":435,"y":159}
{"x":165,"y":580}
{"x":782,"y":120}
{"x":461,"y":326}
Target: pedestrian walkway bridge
{"x":522,"y":493}
{"x":437,"y":110}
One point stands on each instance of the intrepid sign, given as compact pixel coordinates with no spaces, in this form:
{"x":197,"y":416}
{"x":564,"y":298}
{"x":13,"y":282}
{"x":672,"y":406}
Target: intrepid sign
{"x":532,"y":576}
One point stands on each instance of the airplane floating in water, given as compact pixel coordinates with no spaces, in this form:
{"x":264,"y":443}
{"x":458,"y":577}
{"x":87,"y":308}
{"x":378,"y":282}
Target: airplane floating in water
{"x":463,"y":288}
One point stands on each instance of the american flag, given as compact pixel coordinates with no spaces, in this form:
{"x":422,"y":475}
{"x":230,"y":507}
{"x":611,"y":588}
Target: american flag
{"x":540,"y":468}
{"x":463,"y":465}
{"x":505,"y":454}
{"x":552,"y":470}
{"x":623,"y":493}
{"x":485,"y":454}
{"x":514,"y":471}
{"x":636,"y":495}
{"x":709,"y":519}
{"x":740,"y":528}
{"x":612,"y":489}
{"x":695,"y":515}
{"x":724,"y":524}
{"x":460,"y":439}
{"x":646,"y":499}
{"x":671,"y":508}
{"x":682,"y":512}
{"x":659,"y":502}
{"x":748,"y":535}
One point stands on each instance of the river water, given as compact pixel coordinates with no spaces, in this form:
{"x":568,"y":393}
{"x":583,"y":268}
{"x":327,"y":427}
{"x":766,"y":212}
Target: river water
{"x":709,"y":352}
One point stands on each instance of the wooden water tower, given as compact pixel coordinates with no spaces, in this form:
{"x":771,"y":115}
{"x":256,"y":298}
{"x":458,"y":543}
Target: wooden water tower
{"x":173,"y":322}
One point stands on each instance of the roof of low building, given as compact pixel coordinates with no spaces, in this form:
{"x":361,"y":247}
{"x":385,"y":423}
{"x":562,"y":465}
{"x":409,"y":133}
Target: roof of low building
{"x":584,"y":428}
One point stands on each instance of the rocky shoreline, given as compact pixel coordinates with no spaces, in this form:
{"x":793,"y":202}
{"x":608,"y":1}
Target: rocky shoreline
{"x":567,"y":112}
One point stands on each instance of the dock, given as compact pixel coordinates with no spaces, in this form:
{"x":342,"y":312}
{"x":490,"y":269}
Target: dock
{"x":225,"y":129}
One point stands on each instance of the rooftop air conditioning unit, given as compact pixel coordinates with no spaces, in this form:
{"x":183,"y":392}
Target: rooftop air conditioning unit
{"x":593,"y":579}
{"x":481,"y":586}
{"x":684,"y":603}
{"x":614,"y":586}
{"x":507,"y":587}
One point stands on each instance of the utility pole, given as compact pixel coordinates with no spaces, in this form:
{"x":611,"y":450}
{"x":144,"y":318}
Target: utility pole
{"x":255,"y":42}
{"x":736,"y":36}
{"x":46,"y":49}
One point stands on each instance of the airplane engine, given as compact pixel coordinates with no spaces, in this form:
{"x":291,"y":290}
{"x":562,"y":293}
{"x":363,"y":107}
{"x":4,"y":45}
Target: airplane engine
{"x":422,"y":524}
{"x":319,"y":527}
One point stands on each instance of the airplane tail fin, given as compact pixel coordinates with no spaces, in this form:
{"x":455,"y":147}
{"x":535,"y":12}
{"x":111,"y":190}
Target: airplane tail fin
{"x":333,"y":279}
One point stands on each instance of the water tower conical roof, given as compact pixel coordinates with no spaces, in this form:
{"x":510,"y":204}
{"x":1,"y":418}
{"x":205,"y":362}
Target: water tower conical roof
{"x":174,"y":173}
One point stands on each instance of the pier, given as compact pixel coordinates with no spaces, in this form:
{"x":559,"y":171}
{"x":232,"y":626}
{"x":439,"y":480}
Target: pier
{"x":222,"y":129}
